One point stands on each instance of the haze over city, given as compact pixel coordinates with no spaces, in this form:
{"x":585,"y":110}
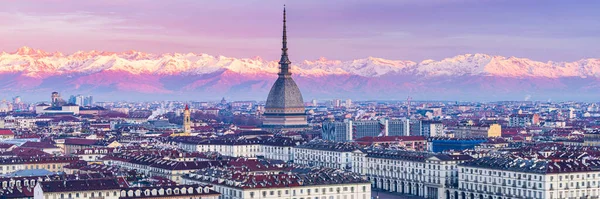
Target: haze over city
{"x":181,"y":99}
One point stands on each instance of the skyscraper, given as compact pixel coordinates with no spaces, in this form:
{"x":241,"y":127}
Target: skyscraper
{"x":285,"y":107}
{"x":336,"y":102}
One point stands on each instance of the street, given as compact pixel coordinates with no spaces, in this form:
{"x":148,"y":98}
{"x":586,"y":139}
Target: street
{"x":388,"y":195}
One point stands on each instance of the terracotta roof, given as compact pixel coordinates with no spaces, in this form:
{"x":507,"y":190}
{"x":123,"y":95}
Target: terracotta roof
{"x":37,"y":160}
{"x":6,"y":146}
{"x":80,"y":141}
{"x":38,"y":145}
{"x":6,"y":132}
{"x":25,"y":153}
{"x":295,"y":177}
{"x":325,"y":145}
{"x":80,"y":185}
{"x":534,"y":166}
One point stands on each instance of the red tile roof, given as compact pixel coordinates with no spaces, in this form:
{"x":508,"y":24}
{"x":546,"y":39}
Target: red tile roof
{"x":80,"y":185}
{"x":6,"y":132}
{"x":79,"y":141}
{"x":38,"y":145}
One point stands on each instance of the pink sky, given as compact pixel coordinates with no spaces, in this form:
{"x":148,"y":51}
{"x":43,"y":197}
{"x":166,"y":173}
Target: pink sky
{"x":336,"y":29}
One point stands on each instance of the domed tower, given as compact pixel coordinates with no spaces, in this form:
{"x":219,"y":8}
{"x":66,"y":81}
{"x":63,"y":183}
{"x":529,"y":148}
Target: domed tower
{"x":285,"y":107}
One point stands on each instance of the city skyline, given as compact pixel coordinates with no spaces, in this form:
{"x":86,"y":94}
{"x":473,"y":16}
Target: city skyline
{"x":381,"y":99}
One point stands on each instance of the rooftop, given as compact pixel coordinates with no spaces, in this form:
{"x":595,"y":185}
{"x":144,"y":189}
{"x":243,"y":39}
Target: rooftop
{"x":179,"y":191}
{"x":326,"y":145}
{"x":80,"y":185}
{"x":294,"y":177}
{"x":417,"y":156}
{"x":534,"y":166}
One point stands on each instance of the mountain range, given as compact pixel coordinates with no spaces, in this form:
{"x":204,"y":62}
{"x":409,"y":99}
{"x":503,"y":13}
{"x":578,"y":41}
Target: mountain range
{"x":134,"y":75}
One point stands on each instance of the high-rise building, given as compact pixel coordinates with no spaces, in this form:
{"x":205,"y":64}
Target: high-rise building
{"x":336,"y":102}
{"x":399,"y":127}
{"x":88,"y":101}
{"x":337,"y":131}
{"x":81,"y":100}
{"x":18,"y":104}
{"x":348,"y":103}
{"x":349,"y":130}
{"x":431,"y":128}
{"x":285,"y":107}
{"x":524,"y":119}
{"x":17,"y":100}
{"x":72,"y":99}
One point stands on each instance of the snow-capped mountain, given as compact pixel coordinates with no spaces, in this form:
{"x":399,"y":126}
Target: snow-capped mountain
{"x":193,"y":75}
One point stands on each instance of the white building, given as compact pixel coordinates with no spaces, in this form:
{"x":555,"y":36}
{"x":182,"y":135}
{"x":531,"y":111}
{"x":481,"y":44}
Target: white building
{"x":84,"y":189}
{"x":337,"y":155}
{"x":502,"y":177}
{"x":170,"y":192}
{"x":297,"y":183}
{"x":39,"y":109}
{"x":432,"y":128}
{"x":423,"y":174}
{"x":158,"y":166}
{"x":278,"y":148}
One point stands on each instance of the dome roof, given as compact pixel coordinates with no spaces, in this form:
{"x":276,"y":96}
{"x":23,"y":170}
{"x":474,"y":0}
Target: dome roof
{"x":285,"y":94}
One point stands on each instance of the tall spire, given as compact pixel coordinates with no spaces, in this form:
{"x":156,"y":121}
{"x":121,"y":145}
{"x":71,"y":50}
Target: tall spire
{"x":284,"y":63}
